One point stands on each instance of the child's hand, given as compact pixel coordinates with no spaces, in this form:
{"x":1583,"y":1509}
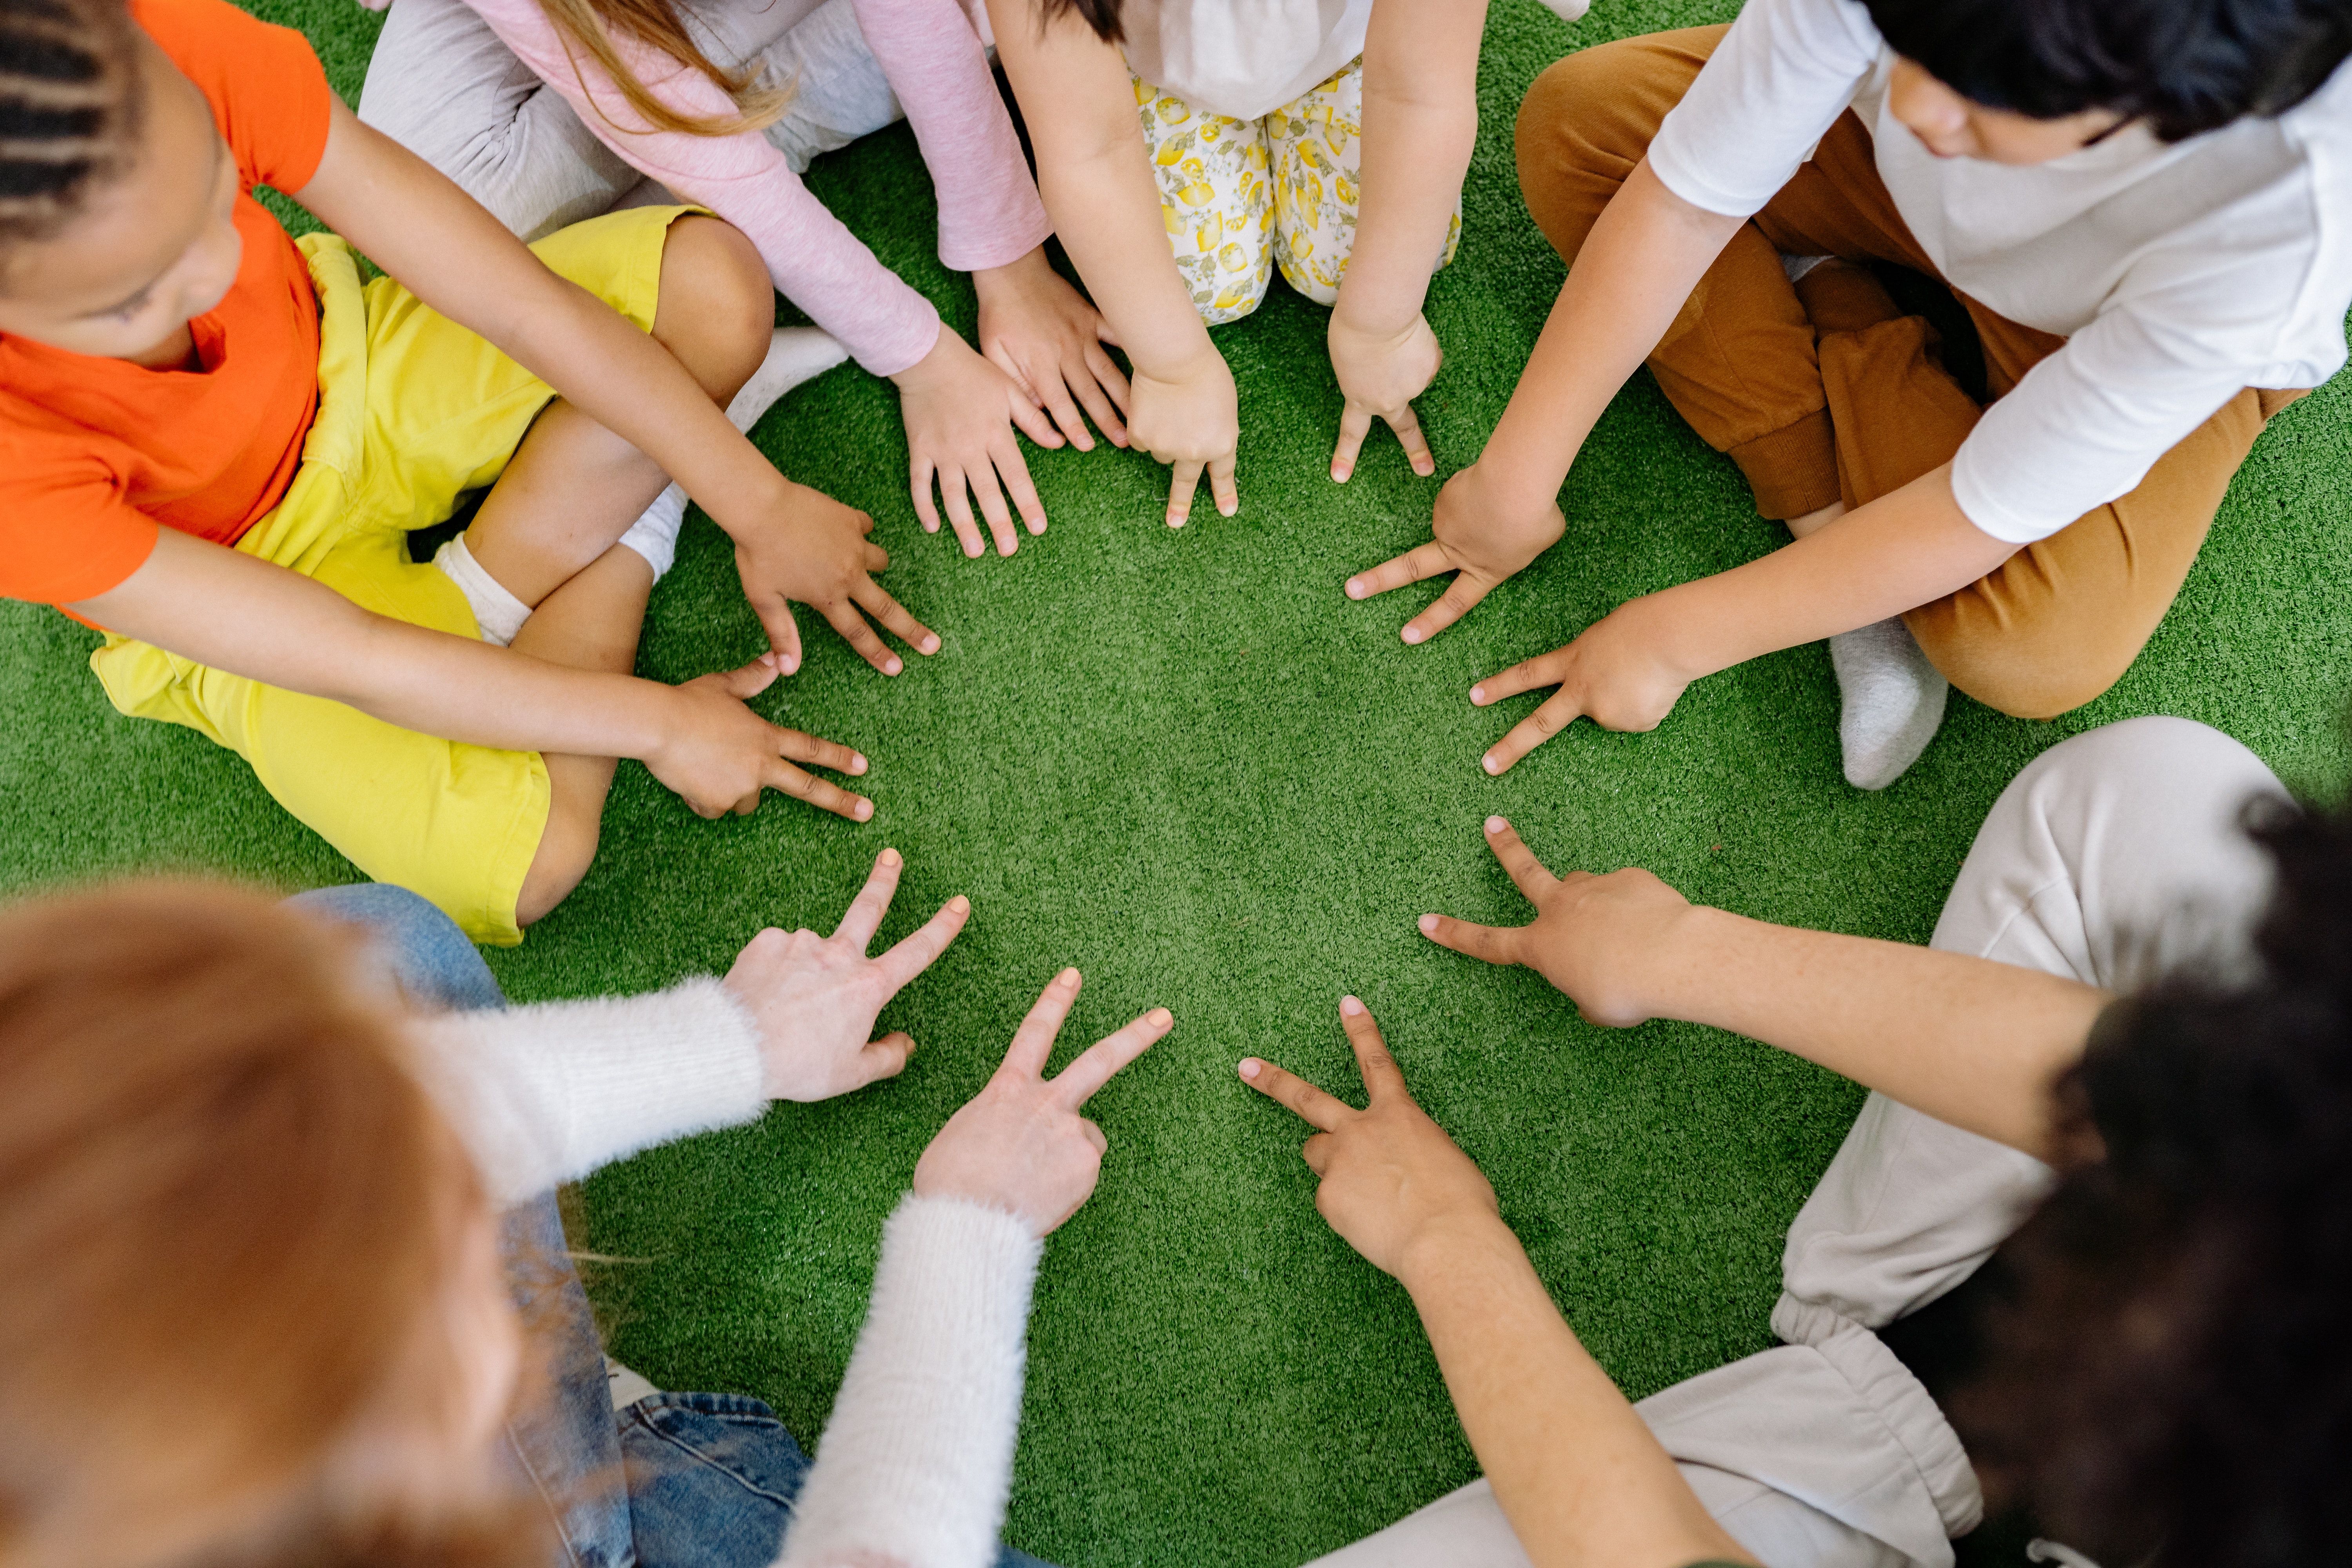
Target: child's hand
{"x":959,"y":411}
{"x":815,"y":998}
{"x":1381,"y":376}
{"x":1019,"y":1144}
{"x":1601,"y":940}
{"x":1049,"y":338}
{"x":1480,"y":535}
{"x":1192,"y":421}
{"x":1616,"y":674}
{"x":812,"y":548}
{"x":718,"y":755}
{"x":1391,"y":1176}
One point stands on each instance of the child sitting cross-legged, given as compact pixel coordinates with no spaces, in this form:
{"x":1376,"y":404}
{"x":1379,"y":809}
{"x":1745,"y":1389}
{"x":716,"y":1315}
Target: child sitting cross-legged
{"x":2138,"y":205}
{"x":214,"y":442}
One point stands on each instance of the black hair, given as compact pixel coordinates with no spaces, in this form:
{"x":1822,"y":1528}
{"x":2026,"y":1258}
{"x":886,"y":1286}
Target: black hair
{"x":1104,"y":16}
{"x":2172,"y":1378}
{"x":2185,"y":66}
{"x":69,"y":107}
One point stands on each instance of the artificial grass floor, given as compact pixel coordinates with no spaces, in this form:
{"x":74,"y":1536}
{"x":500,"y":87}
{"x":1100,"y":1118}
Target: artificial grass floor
{"x":1186,"y":762}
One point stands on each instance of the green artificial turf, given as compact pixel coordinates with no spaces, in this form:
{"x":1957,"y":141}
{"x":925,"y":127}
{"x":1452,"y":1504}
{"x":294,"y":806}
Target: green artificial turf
{"x":1185,"y":762}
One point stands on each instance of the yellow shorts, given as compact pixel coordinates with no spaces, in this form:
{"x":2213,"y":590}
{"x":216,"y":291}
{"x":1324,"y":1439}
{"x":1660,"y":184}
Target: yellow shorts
{"x":414,"y":411}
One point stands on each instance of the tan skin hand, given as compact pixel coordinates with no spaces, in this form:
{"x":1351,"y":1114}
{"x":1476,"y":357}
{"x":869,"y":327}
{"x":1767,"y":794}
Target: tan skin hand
{"x":1593,"y":936}
{"x":1481,"y":538}
{"x":1379,"y":378}
{"x":1390,"y":1178}
{"x":815,"y":551}
{"x":1613,"y":675}
{"x":1193,"y":424}
{"x":815,"y":998}
{"x":1051,"y":341}
{"x":1021,"y":1145}
{"x":720,"y":754}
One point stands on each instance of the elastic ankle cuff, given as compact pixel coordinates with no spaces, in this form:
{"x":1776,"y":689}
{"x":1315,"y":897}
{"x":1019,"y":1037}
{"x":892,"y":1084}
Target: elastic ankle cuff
{"x":1793,"y":470}
{"x":498,"y":613}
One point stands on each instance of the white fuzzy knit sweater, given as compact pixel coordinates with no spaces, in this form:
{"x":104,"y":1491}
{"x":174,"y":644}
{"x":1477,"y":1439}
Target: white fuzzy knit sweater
{"x":916,"y":1463}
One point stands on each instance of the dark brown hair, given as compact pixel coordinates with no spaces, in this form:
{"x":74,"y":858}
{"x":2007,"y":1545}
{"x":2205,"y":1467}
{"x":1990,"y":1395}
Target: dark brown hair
{"x":70,"y":105}
{"x":1104,"y":16}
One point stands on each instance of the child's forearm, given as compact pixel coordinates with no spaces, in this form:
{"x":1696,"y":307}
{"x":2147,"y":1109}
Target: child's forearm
{"x":1901,"y":550}
{"x":1644,"y":257}
{"x":1421,"y":125}
{"x":1577,"y":1472}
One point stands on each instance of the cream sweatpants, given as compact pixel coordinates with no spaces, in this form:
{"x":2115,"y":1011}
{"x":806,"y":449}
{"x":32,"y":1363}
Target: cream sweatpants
{"x":2114,"y":856}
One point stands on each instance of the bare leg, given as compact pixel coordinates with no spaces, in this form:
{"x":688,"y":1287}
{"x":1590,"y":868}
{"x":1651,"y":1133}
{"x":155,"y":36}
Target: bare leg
{"x":546,"y":530}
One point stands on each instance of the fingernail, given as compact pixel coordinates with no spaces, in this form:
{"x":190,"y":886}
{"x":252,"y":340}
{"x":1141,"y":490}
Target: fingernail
{"x":1478,"y":694}
{"x":972,"y":551}
{"x":1251,"y":1066}
{"x":894,"y":665}
{"x":1496,"y":823}
{"x":769,"y":658}
{"x":857,"y":764}
{"x":1490,"y":765}
{"x":1067,"y":977}
{"x":960,"y":904}
{"x":865,"y":810}
{"x":1036,"y":525}
{"x":1175,"y":522}
{"x":930,"y":643}
{"x":1160,"y":1017}
{"x":930,"y":528}
{"x":1355,"y":588}
{"x":1428,"y":924}
{"x":1350,"y":1006}
{"x":1339,"y":474}
{"x":1224,"y":510}
{"x":791,"y":664}
{"x":1413,"y":634}
{"x":888,"y":858}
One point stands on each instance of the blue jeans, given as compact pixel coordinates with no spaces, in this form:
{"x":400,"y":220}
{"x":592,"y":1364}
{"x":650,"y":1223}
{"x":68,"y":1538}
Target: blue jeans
{"x":677,"y":1480}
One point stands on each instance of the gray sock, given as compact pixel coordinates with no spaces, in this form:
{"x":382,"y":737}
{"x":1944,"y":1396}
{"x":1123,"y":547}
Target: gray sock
{"x":1891,"y":701}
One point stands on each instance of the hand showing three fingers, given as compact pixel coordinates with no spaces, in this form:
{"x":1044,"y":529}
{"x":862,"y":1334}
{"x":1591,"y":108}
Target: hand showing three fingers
{"x":1605,"y":940}
{"x":813,"y":550}
{"x":1391,"y":1176}
{"x":1481,"y":537}
{"x":1021,"y":1145}
{"x":816,"y":998}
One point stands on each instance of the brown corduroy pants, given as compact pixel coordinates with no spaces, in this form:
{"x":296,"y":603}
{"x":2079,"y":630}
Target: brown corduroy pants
{"x":1825,"y":391}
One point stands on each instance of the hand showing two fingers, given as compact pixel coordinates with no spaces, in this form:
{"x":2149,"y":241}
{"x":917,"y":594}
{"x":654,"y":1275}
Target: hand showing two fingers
{"x":815,"y":998}
{"x":1021,"y":1145}
{"x":1379,"y":378}
{"x":1389,"y":1176}
{"x":718,"y":755}
{"x":1479,"y":539}
{"x":1193,"y":424}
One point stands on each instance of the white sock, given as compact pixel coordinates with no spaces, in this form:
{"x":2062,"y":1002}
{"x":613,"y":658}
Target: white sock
{"x":625,"y":1386}
{"x":498,"y":613}
{"x":794,"y":355}
{"x":1891,"y":701}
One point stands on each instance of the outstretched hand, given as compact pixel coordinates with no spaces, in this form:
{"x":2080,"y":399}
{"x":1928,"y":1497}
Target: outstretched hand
{"x":961,"y":410}
{"x":1050,"y":339}
{"x":1391,"y":1176}
{"x":813,"y":550}
{"x":1021,"y":1145}
{"x":718,"y":755}
{"x":1481,"y":538}
{"x":1614,"y":675}
{"x":1602,"y":940}
{"x":1380,"y":377}
{"x":816,"y":998}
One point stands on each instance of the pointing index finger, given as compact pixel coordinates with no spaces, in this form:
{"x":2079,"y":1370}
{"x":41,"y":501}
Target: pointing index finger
{"x":865,"y":914}
{"x":1032,"y":1043}
{"x":1322,"y":1111}
{"x":1529,"y":875}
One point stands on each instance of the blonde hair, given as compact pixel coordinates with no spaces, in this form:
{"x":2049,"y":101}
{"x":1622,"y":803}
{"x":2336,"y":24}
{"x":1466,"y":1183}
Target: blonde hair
{"x":593,"y":24}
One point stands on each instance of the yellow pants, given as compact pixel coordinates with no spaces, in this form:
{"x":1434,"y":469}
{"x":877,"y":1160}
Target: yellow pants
{"x":414,"y":411}
{"x":1243,"y":197}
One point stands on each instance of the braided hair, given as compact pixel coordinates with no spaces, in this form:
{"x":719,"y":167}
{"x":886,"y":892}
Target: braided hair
{"x":69,"y":107}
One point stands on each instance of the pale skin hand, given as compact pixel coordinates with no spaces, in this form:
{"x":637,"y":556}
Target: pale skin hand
{"x":1966,"y":1040}
{"x":1050,"y":340}
{"x":960,"y":412}
{"x":1574,"y":1468}
{"x":815,"y":998}
{"x":1021,"y":1145}
{"x":1479,"y":537}
{"x":1097,"y":185}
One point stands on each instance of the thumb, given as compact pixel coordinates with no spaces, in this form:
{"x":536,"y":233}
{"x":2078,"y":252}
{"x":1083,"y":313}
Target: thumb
{"x":748,"y":681}
{"x":783,"y":635}
{"x":885,"y":1057}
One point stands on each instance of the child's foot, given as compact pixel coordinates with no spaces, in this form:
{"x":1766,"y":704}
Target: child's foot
{"x":1891,"y":701}
{"x":796,"y":354}
{"x":627,"y":1387}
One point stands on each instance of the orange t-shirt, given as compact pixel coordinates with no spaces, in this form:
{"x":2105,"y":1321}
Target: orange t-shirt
{"x":96,"y":454}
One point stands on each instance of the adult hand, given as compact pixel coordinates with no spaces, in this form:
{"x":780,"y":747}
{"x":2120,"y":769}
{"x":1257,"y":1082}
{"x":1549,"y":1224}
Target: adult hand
{"x":816,"y":998}
{"x":1380,"y":377}
{"x":1391,"y":1176}
{"x":1019,"y":1144}
{"x":1191,"y":422}
{"x":1616,"y":675}
{"x":1602,"y":940}
{"x":1049,"y":339}
{"x":812,"y":548}
{"x":1482,"y":536}
{"x":960,"y":410}
{"x":718,"y":755}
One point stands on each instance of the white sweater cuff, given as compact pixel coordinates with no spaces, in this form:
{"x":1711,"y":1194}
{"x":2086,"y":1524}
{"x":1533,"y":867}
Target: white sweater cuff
{"x":915,"y":1466}
{"x":546,"y":1093}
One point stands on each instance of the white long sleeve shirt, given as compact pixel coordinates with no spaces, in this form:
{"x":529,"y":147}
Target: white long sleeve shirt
{"x":2177,"y":273}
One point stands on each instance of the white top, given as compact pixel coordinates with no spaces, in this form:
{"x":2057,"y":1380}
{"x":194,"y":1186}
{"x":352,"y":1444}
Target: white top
{"x":917,"y":1460}
{"x":1241,"y":58}
{"x":2177,"y":273}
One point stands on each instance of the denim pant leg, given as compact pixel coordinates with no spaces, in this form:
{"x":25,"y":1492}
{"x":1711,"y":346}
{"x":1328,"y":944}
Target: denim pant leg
{"x":565,"y":1444}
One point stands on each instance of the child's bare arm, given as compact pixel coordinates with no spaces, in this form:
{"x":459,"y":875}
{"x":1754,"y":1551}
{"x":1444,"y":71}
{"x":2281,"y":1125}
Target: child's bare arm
{"x":234,"y":612}
{"x":792,"y":544}
{"x":1097,"y":183}
{"x":1421,"y":124}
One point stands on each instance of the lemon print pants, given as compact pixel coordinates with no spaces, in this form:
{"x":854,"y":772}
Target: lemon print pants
{"x":1242,"y":196}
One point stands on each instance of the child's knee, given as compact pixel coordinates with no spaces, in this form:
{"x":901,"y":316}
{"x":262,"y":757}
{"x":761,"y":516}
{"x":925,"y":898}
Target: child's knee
{"x":2023,"y":671}
{"x":718,"y":306}
{"x":566,"y":849}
